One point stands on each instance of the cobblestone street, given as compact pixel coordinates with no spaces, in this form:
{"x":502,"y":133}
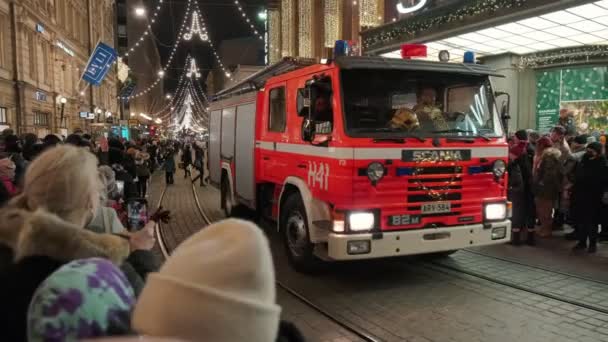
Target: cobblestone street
{"x":412,"y":299}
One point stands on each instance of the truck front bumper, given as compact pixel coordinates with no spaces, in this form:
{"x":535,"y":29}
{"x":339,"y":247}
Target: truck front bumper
{"x":420,"y":241}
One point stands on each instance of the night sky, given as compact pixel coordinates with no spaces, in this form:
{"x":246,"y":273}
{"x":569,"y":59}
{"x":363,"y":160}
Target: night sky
{"x":223,"y":21}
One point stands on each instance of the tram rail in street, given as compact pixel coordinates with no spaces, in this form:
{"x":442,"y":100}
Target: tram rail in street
{"x":447,"y":269}
{"x":355,"y":330}
{"x":546,"y":269}
{"x":461,"y":265}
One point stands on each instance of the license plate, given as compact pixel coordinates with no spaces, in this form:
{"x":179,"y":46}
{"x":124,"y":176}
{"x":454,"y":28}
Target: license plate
{"x":403,"y":220}
{"x":436,"y":208}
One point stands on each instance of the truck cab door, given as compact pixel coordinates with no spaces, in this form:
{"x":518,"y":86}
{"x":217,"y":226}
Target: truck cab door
{"x":315,"y":106}
{"x":274,"y":132}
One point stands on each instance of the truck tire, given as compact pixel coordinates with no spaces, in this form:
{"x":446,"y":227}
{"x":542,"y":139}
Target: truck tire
{"x":294,"y":229}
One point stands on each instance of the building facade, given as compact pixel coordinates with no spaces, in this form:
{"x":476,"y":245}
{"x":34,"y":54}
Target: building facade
{"x":310,"y":28}
{"x":143,"y":62}
{"x":44,"y":47}
{"x":553,"y":54}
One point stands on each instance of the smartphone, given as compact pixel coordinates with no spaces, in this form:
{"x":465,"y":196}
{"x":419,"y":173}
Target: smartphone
{"x":137,"y":213}
{"x":120,"y":186}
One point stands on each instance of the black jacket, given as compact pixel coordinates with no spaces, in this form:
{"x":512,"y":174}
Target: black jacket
{"x":590,"y":182}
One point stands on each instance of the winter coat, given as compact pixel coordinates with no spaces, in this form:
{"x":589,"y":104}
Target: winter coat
{"x":590,"y":183}
{"x":5,"y":196}
{"x":549,"y":177}
{"x":169,"y":164}
{"x":128,"y":163}
{"x":186,"y":157}
{"x":517,"y":193}
{"x":20,"y":165}
{"x":142,"y":169}
{"x":35,"y":244}
{"x":9,"y":186}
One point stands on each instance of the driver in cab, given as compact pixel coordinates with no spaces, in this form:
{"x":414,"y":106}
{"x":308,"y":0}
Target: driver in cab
{"x":426,"y":113}
{"x":323,"y":115}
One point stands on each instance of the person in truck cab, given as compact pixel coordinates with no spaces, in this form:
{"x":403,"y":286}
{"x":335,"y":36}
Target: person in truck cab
{"x":427,"y":113}
{"x":323,"y":112}
{"x":323,"y":115}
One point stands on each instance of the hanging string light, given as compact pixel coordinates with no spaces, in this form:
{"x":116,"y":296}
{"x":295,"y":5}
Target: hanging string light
{"x":215,"y":54}
{"x":176,"y":97}
{"x":145,"y":33}
{"x":200,"y":89}
{"x":248,"y":21}
{"x":193,"y":70}
{"x":169,"y":60}
{"x":195,"y":29}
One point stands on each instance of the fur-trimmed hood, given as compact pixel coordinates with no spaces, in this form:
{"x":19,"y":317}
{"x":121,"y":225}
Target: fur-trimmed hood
{"x":551,"y":152}
{"x":41,"y":233}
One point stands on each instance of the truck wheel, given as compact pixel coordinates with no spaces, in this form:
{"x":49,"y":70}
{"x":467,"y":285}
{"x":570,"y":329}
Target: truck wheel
{"x":294,"y":227}
{"x":227,"y":203}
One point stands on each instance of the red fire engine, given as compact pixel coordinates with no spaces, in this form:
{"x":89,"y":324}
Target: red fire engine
{"x":365,"y":157}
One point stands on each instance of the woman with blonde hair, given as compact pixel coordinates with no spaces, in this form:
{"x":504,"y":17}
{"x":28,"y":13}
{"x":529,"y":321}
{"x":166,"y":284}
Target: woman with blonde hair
{"x":43,"y":228}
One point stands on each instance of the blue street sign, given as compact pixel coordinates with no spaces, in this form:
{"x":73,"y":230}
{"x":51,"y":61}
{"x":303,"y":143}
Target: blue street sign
{"x":99,"y":64}
{"x":128,"y":89}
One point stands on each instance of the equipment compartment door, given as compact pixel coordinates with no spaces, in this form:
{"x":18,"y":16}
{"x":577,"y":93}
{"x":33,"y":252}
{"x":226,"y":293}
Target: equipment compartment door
{"x":245,"y":138}
{"x":228,"y":123}
{"x":215,"y":125}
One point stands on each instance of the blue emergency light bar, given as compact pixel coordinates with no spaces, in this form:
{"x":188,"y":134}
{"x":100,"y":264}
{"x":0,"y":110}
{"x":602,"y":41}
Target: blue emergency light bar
{"x":342,"y":48}
{"x":469,"y":57}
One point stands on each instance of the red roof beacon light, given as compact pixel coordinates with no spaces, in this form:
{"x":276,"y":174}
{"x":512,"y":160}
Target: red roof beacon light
{"x":413,"y":50}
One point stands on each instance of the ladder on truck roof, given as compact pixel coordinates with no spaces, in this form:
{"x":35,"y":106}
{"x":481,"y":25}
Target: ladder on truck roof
{"x":257,"y":80}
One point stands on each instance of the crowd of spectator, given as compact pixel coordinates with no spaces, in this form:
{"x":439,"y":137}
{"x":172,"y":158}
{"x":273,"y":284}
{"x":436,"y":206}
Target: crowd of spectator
{"x":72,"y":268}
{"x":558,"y":180}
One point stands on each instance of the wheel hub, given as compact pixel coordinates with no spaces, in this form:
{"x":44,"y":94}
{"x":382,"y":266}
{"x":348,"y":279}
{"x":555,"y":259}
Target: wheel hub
{"x":297,"y":239}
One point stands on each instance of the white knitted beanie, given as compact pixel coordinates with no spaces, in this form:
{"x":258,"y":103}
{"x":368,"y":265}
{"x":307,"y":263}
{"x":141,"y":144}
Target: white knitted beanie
{"x":217,"y":286}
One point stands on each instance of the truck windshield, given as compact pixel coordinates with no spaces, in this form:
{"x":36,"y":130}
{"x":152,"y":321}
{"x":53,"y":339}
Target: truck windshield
{"x":398,"y":104}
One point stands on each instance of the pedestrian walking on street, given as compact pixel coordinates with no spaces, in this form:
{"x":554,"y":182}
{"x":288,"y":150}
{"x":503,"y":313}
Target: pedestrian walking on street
{"x":187,"y":160}
{"x":548,"y":180}
{"x":520,"y":187}
{"x":591,"y":182}
{"x":169,"y":167}
{"x":199,"y":162}
{"x":143,"y":173}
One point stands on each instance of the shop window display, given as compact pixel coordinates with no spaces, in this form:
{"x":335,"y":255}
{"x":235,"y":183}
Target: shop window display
{"x":576,"y":98}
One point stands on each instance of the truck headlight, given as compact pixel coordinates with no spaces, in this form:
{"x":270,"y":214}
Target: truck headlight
{"x":495,"y":211}
{"x":499,"y":168}
{"x":361,"y":221}
{"x":375,"y":171}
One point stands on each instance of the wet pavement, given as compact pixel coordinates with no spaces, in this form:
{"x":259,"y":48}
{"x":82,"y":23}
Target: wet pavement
{"x":506,"y":293}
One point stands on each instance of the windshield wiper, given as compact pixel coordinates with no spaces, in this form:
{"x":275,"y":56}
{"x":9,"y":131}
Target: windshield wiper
{"x":459,"y":130}
{"x":390,"y":129}
{"x":393,"y":140}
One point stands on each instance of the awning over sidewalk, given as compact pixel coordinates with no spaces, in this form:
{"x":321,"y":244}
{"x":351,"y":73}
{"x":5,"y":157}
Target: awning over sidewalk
{"x":494,"y":27}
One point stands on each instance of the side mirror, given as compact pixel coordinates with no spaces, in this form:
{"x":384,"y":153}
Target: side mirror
{"x":504,"y":109}
{"x":303,"y":101}
{"x":308,"y":132}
